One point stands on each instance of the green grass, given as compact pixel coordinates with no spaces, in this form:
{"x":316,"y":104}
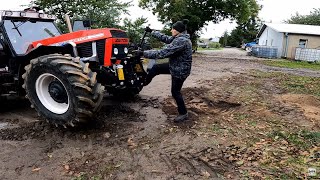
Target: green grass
{"x":292,"y":64}
{"x":241,"y":117}
{"x":292,"y":83}
{"x":83,"y":176}
{"x":302,"y":139}
{"x":302,"y":85}
{"x":216,"y":128}
{"x":253,"y":123}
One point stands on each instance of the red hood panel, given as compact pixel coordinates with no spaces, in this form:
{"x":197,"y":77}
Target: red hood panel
{"x":77,"y":37}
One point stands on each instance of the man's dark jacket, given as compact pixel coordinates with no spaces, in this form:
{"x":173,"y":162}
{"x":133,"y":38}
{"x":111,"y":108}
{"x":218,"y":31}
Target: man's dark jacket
{"x":179,"y":51}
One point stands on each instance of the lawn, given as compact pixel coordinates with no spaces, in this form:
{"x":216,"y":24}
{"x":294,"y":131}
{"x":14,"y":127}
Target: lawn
{"x":293,"y":64}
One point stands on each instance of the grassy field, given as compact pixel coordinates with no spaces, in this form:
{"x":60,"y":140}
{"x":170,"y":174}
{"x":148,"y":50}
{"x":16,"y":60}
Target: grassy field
{"x":292,"y":64}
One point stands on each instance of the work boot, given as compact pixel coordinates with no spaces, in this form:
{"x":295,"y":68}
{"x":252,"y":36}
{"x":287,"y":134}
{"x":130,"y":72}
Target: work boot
{"x":181,"y":118}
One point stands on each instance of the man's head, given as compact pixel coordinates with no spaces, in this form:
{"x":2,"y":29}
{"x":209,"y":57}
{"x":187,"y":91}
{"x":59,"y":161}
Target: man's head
{"x":179,"y":27}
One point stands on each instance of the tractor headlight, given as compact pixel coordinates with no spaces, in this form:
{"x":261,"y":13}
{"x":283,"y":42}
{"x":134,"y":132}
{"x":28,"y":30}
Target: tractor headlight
{"x":126,"y":50}
{"x":115,"y":51}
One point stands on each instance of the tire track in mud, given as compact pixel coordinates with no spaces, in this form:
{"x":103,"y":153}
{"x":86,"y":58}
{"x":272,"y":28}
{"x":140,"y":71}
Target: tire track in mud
{"x":111,"y":119}
{"x":198,"y":161}
{"x":208,"y":162}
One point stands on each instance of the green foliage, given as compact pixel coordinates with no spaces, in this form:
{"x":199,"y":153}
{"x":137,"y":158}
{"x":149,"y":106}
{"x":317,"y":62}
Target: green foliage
{"x":244,"y":32}
{"x":201,"y":12}
{"x":134,"y":29}
{"x":236,"y":37}
{"x":104,"y":13}
{"x":224,"y":39}
{"x":155,"y":43}
{"x":312,"y":19}
{"x":214,"y":45}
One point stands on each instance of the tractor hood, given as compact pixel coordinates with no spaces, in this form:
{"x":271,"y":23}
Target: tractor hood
{"x":83,"y":36}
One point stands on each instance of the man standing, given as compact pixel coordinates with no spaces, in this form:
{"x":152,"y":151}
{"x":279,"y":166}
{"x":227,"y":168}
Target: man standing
{"x":179,"y":52}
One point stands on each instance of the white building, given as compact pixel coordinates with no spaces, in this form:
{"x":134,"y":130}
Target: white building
{"x":288,"y":37}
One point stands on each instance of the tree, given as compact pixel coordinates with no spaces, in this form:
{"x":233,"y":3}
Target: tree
{"x":312,"y":19}
{"x":200,"y":12}
{"x":245,"y":32}
{"x":236,"y":37}
{"x":224,"y":39}
{"x":134,"y":29}
{"x":104,"y":13}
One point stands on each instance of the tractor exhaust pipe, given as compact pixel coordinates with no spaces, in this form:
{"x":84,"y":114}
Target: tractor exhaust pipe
{"x":67,"y":18}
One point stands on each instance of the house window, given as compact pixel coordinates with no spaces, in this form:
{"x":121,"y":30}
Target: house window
{"x":303,"y":43}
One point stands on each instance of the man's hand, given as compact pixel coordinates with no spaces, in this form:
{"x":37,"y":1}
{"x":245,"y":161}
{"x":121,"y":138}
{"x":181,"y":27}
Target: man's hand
{"x":148,"y":29}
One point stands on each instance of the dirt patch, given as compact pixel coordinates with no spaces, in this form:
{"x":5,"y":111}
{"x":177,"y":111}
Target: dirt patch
{"x":250,"y":126}
{"x":310,"y":105}
{"x":103,"y":122}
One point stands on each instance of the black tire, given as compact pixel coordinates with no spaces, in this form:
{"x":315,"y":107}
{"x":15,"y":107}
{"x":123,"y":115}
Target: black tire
{"x":79,"y":95}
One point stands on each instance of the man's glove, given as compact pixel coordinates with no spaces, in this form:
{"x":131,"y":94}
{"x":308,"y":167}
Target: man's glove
{"x":148,"y":29}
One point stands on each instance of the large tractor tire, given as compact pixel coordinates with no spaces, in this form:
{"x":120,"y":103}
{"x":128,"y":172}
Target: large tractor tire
{"x":62,"y":89}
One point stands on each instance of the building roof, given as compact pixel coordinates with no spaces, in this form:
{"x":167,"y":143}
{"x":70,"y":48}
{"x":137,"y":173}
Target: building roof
{"x":292,"y":28}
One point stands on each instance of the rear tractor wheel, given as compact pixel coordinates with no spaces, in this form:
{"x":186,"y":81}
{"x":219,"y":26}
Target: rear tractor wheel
{"x":62,"y":89}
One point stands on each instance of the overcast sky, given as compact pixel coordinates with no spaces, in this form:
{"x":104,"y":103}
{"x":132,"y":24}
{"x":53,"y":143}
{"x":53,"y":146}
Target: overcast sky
{"x":274,"y":11}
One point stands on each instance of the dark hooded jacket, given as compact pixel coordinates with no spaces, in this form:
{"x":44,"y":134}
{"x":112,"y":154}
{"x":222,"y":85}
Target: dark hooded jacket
{"x":179,"y":51}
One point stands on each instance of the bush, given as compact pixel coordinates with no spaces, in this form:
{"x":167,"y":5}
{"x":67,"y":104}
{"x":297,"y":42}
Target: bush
{"x":215,"y":45}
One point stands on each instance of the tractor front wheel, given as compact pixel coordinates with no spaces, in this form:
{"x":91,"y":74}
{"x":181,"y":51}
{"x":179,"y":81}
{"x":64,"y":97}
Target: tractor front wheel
{"x":62,"y":89}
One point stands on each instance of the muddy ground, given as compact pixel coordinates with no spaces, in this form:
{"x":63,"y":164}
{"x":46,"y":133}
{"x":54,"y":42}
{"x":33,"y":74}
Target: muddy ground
{"x":245,"y":123}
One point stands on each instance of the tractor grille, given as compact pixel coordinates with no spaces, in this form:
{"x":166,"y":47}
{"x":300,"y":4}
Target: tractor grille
{"x":85,"y":49}
{"x":101,"y":45}
{"x":118,"y":34}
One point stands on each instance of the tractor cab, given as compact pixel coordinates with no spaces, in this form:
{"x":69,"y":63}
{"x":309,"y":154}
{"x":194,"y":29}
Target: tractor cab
{"x":19,"y":29}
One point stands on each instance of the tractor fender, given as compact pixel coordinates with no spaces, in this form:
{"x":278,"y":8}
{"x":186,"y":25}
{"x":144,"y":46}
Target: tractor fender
{"x":42,"y":50}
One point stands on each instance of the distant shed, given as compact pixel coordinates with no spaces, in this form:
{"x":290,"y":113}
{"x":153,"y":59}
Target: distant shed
{"x":288,"y":37}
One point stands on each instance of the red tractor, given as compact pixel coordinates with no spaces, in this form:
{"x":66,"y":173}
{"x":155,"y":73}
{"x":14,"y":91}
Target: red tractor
{"x":64,"y":75}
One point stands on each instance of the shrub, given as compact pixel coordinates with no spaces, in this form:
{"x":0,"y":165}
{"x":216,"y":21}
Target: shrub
{"x":215,"y":45}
